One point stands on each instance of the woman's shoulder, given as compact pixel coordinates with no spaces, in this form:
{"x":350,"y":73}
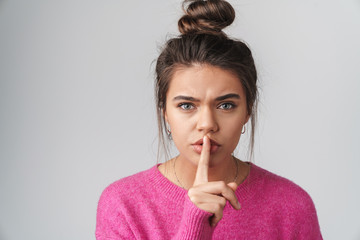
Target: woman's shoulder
{"x":126,"y":186}
{"x":285,"y":203}
{"x":281,"y":191}
{"x":275,"y":182}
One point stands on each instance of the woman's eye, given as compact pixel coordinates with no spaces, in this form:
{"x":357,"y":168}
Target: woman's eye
{"x":226,"y":106}
{"x":186,"y":106}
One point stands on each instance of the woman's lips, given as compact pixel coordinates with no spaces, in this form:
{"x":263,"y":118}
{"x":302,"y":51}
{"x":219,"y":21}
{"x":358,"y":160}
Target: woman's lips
{"x":197,"y":146}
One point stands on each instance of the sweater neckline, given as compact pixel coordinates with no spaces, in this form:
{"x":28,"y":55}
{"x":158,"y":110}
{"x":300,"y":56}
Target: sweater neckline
{"x":176,"y":193}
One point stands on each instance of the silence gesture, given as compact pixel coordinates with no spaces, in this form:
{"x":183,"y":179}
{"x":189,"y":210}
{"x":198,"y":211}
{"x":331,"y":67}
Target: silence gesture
{"x":211,"y":196}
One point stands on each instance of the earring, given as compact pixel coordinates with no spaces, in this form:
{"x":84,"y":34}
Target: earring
{"x":244,"y":129}
{"x":168,"y":131}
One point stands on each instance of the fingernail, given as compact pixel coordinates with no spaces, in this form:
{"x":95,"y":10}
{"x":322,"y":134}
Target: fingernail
{"x":238,"y":205}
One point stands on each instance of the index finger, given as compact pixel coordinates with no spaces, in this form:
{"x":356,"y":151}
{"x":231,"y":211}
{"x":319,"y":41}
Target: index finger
{"x":203,"y":165}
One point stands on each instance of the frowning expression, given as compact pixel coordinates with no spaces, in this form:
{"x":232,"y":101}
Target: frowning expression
{"x":205,"y":100}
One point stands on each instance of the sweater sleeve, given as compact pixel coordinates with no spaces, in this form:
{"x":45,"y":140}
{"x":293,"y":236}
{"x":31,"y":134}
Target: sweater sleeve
{"x":302,"y":222}
{"x":194,"y":223}
{"x":306,"y":227}
{"x":111,"y":224}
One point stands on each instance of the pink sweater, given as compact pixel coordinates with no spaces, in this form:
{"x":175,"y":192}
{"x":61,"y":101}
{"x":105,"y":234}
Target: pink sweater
{"x":148,"y":206}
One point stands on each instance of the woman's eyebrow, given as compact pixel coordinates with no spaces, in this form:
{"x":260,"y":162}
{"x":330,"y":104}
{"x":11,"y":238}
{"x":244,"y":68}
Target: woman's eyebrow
{"x":220,"y":98}
{"x":226,"y":96}
{"x":186,"y":98}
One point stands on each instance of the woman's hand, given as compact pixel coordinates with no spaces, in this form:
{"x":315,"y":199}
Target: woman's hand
{"x":211,"y":196}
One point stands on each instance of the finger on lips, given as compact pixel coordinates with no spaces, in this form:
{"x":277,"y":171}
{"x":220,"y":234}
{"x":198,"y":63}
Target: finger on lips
{"x":203,"y":165}
{"x":211,"y":196}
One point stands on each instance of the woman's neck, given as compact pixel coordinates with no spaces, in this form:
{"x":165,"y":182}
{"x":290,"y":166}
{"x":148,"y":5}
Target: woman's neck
{"x":182,"y":172}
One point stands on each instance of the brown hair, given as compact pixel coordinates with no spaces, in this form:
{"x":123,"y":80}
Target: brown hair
{"x":202,"y":41}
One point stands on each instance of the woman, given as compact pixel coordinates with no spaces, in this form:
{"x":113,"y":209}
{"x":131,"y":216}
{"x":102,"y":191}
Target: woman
{"x":206,"y":93}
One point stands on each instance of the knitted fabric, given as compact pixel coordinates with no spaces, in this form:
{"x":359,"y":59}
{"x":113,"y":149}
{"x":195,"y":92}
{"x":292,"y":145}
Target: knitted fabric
{"x":148,"y":206}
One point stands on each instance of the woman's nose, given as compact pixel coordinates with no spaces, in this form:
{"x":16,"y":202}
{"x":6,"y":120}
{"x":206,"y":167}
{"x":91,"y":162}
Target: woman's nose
{"x":207,"y":121}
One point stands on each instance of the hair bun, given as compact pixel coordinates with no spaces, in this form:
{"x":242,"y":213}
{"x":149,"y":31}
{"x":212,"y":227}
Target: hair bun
{"x":209,"y":16}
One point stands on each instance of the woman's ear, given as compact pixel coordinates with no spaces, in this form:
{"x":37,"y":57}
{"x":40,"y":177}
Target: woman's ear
{"x":247,"y":119}
{"x":165,"y":116}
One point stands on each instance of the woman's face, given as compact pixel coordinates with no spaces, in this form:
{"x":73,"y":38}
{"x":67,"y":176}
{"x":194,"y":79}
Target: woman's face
{"x":205,"y":100}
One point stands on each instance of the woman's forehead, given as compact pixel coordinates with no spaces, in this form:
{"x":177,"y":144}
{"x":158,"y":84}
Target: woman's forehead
{"x":204,"y":80}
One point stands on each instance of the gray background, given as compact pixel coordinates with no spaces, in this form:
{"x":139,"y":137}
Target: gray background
{"x":77,"y":112}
